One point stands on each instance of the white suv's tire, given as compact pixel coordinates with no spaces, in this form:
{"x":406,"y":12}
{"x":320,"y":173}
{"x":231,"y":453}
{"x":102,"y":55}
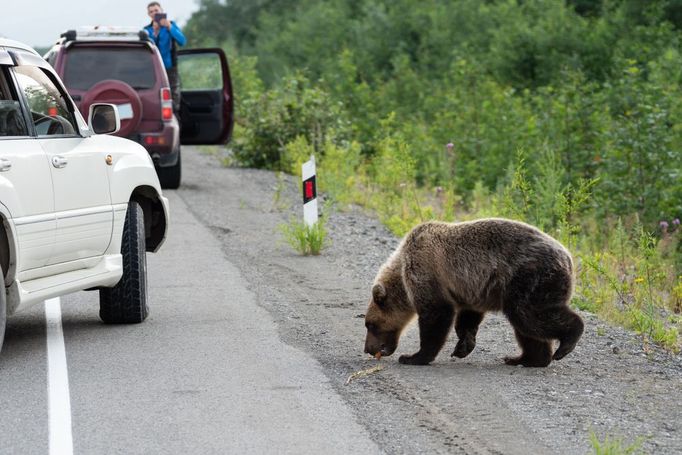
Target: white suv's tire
{"x":126,"y":303}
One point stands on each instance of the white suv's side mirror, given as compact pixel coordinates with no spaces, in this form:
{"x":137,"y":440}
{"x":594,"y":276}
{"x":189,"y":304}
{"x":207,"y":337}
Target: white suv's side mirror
{"x":104,"y":119}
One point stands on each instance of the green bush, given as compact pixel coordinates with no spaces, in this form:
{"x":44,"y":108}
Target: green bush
{"x":276,"y":117}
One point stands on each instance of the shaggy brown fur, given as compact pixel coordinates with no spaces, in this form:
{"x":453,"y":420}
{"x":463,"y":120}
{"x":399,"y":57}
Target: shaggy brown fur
{"x":445,"y":272}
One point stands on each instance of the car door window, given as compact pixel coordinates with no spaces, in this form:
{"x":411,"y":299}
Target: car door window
{"x":200,"y":72}
{"x":50,"y":110}
{"x":207,"y":108}
{"x":12,"y":122}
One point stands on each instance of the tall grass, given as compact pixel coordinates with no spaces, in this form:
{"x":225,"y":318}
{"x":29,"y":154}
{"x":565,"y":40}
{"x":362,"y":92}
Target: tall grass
{"x":615,"y":446}
{"x":303,"y":238}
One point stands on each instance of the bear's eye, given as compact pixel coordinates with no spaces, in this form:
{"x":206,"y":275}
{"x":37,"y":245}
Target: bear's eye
{"x":370,"y":326}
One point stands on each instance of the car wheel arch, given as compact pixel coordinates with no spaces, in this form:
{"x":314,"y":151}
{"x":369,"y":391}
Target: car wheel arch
{"x":154,"y":215}
{"x":8,"y":250}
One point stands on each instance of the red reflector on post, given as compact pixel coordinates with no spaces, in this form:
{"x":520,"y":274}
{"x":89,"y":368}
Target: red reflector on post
{"x":309,"y":190}
{"x":167,"y":113}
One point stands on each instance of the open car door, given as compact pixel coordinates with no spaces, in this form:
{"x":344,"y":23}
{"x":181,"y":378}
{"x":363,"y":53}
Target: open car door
{"x":206,"y":111}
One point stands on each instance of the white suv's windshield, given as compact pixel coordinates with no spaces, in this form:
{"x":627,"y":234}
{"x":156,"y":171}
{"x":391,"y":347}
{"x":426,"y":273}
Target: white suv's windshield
{"x":86,"y":66}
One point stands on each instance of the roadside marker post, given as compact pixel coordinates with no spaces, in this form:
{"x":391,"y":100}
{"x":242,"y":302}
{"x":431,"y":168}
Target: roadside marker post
{"x":309,"y":192}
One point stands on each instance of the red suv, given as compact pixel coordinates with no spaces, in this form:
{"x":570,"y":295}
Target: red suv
{"x":121,"y":66}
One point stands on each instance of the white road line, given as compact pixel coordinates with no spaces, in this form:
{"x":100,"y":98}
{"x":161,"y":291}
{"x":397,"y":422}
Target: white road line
{"x":59,"y":410}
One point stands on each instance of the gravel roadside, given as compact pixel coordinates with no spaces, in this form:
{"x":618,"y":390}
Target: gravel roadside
{"x":611,"y":384}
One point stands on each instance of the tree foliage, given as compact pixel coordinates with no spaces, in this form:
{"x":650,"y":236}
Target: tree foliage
{"x":593,"y":83}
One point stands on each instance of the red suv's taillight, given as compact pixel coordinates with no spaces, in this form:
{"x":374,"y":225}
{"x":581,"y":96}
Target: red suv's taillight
{"x":166,"y":104}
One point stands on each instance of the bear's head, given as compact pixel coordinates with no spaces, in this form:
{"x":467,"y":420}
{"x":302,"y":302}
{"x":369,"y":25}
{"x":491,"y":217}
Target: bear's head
{"x":388,"y":314}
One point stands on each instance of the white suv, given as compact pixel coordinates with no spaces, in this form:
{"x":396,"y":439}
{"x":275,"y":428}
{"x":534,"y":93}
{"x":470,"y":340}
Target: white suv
{"x":79,"y":209}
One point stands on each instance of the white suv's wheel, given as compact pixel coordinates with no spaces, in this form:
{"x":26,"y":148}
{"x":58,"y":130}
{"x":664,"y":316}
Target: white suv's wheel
{"x":126,"y":303}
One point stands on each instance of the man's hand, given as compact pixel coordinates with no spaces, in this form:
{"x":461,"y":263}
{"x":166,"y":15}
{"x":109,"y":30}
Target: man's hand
{"x":165,"y":23}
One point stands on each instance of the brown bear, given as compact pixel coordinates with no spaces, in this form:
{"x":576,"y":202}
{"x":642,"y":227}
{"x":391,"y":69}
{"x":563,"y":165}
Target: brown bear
{"x":442,"y":272}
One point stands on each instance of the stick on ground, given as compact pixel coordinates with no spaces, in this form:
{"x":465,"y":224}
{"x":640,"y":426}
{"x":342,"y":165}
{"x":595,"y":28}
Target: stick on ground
{"x":364,"y":373}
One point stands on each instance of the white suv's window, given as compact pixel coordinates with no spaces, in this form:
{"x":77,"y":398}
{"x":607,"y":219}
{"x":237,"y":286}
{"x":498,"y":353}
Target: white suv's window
{"x":11,"y":119}
{"x":49,"y":108}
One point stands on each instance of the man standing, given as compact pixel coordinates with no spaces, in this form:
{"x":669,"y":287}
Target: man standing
{"x":167,"y":36}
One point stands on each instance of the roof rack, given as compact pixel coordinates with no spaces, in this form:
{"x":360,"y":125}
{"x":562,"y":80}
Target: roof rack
{"x":105,"y":33}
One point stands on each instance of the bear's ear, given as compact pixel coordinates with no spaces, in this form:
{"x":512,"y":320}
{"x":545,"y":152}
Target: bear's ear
{"x":379,"y":294}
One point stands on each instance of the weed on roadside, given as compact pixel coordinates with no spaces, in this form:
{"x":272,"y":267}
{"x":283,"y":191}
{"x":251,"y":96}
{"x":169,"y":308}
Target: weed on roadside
{"x":623,"y":284}
{"x":306,"y":240}
{"x":615,"y":446}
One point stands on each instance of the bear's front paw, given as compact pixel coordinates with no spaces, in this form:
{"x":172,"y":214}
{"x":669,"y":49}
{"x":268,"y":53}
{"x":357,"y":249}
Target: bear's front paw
{"x":414,"y":359}
{"x":463,"y":348}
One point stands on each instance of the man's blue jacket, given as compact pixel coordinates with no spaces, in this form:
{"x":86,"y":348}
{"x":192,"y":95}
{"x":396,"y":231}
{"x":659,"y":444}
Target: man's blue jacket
{"x":164,"y":41}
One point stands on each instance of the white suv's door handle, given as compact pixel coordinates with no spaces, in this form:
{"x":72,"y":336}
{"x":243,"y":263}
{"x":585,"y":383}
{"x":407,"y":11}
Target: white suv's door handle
{"x":5,"y":165}
{"x":59,"y":161}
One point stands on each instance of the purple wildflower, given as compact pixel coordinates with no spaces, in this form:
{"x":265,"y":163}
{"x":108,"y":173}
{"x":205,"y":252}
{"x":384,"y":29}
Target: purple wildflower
{"x":450,"y":145}
{"x":676,"y":222}
{"x":664,"y":225}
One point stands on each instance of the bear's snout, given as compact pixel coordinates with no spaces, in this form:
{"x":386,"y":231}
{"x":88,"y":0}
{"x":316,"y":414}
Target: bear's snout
{"x":374,"y":345}
{"x":370,"y":349}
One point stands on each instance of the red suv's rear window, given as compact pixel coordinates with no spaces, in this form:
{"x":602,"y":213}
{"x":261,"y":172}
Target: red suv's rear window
{"x":86,"y":66}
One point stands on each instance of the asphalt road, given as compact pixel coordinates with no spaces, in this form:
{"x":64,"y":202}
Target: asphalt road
{"x":206,"y":373}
